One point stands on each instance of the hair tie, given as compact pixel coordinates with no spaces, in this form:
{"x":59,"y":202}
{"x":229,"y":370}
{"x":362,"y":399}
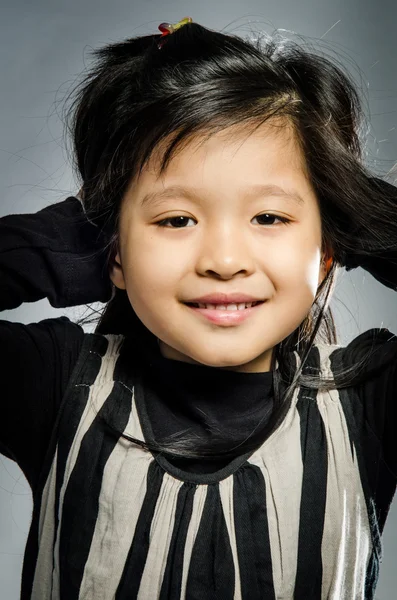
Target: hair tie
{"x":167,"y":28}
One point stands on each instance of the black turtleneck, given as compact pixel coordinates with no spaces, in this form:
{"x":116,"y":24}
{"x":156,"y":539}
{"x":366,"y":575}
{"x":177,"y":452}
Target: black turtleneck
{"x":204,"y":400}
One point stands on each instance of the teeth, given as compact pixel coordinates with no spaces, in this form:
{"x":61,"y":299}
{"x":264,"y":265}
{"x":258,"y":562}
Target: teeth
{"x":241,"y":306}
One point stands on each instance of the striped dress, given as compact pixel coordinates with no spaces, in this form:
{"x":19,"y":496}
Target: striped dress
{"x":293,"y":520}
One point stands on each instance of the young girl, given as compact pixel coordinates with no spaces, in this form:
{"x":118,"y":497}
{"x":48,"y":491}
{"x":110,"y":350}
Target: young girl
{"x":210,"y":440}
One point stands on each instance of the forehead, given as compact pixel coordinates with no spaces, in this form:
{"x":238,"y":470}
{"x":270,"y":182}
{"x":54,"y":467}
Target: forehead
{"x":274,"y":139}
{"x":268,"y":159}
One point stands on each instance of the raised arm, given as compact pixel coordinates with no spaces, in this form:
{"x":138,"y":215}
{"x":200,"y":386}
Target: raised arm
{"x":52,"y":254}
{"x":55,"y":254}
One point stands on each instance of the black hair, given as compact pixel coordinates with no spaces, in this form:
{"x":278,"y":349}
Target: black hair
{"x":136,"y":97}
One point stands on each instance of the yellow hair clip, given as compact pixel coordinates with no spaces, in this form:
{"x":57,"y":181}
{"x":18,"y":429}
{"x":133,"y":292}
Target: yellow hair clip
{"x":167,"y":28}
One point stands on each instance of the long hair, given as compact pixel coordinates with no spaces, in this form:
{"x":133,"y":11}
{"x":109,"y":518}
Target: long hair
{"x":136,"y":97}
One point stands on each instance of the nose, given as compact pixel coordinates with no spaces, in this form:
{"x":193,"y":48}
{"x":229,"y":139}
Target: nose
{"x":225,"y":252}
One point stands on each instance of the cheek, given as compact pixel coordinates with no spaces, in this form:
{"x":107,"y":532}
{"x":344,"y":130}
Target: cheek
{"x":295,"y":272}
{"x":152,"y":275}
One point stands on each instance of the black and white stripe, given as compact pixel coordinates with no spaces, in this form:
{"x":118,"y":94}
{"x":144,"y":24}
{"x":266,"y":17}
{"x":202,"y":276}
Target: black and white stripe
{"x":293,"y":520}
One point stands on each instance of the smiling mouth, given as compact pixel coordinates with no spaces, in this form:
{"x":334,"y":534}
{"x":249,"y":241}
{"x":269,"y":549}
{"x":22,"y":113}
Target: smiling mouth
{"x":238,"y":304}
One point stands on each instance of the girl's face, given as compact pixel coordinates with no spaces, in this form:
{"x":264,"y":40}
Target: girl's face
{"x":223,"y":245}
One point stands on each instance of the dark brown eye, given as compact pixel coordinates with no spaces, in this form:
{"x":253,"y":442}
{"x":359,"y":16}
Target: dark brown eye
{"x":270,"y":216}
{"x":174,"y":220}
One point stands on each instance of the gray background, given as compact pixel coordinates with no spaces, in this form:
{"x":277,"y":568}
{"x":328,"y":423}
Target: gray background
{"x":43,"y":48}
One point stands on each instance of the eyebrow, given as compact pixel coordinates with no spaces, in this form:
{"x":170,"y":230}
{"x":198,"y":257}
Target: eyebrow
{"x":268,"y":189}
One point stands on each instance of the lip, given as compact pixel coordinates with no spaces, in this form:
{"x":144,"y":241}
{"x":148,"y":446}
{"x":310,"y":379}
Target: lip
{"x":226,"y":317}
{"x":219,"y":298}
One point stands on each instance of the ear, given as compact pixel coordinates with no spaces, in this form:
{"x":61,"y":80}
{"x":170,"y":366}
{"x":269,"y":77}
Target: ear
{"x":325,"y":265}
{"x":116,"y":272}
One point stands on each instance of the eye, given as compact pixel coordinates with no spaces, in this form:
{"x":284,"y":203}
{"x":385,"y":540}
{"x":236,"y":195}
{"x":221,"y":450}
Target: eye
{"x":174,"y":220}
{"x":179,"y":224}
{"x":283,"y":220}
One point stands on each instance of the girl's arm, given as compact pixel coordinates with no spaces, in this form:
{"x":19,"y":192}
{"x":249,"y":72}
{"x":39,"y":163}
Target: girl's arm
{"x":379,"y":391}
{"x":53,"y":253}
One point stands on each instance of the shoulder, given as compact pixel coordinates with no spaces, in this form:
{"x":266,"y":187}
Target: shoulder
{"x":373,"y":351}
{"x":379,"y":345}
